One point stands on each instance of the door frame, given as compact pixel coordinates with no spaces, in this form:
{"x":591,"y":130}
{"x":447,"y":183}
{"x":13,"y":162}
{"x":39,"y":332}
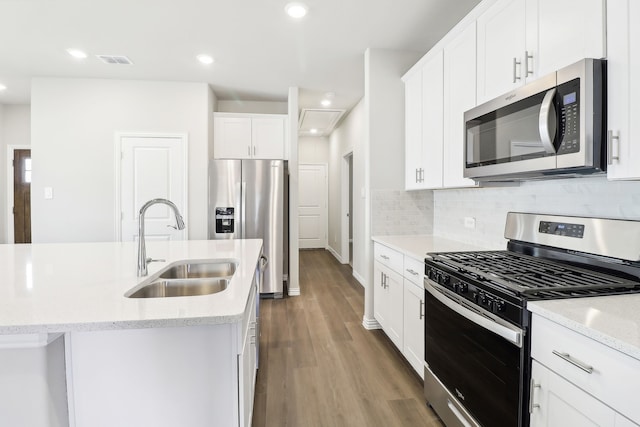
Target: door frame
{"x":117,"y":153}
{"x":344,"y":209}
{"x":11,"y":148}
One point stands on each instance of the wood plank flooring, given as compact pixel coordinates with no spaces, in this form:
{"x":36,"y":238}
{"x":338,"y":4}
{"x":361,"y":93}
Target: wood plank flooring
{"x":320,"y":367}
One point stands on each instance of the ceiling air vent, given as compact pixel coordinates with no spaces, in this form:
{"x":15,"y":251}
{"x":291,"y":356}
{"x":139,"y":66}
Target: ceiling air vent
{"x":115,"y":59}
{"x":323,"y":121}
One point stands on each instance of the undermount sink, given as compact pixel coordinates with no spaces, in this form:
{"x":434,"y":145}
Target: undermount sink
{"x":188,"y":278}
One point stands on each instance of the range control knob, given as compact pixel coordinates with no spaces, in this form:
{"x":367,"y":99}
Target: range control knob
{"x":463,"y":288}
{"x":444,"y":279}
{"x":500,"y":306}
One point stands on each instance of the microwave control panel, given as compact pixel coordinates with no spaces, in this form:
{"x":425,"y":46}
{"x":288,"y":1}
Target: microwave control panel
{"x":569,"y":107}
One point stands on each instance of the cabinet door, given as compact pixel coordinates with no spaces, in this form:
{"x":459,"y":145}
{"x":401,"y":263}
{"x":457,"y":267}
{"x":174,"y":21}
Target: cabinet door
{"x":558,"y":403}
{"x":413,"y":348}
{"x":623,"y":63}
{"x":563,"y":32}
{"x":380,"y":302}
{"x":501,"y":47}
{"x":394,"y":287}
{"x":268,"y":135}
{"x":459,"y":96}
{"x":231,"y":138}
{"x":413,"y":131}
{"x":432,"y":120}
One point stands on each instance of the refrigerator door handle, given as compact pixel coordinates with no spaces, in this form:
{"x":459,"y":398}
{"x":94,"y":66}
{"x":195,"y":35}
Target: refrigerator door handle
{"x":243,"y":209}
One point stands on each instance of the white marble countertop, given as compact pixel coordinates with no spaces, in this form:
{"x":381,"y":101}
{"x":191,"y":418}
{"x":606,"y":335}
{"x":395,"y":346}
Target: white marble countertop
{"x":81,"y":286}
{"x":612,"y":320}
{"x":417,"y":246}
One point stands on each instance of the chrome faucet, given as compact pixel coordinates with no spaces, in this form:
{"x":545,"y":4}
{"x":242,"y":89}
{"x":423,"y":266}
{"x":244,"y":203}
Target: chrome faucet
{"x":142,"y":249}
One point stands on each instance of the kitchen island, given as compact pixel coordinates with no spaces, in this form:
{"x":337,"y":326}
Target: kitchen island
{"x":75,"y":347}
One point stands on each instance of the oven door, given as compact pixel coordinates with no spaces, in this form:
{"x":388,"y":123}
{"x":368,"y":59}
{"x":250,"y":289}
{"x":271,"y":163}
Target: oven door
{"x":474,"y":372}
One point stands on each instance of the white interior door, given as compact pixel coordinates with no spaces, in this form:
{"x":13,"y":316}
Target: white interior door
{"x":312,"y":202}
{"x":152,"y":167}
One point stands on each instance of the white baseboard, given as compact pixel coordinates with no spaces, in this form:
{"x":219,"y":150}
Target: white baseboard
{"x":335,"y":254}
{"x":293,"y":292}
{"x":359,"y":278}
{"x":370,"y":324}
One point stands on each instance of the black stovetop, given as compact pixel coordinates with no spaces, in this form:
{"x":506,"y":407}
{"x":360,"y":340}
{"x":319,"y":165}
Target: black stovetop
{"x":532,"y":277}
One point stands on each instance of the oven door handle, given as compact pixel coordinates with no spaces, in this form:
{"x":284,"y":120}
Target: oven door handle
{"x":508,"y":332}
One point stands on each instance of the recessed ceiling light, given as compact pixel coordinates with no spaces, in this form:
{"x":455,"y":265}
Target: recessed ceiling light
{"x":205,"y":59}
{"x":325,"y":102}
{"x":296,"y":10}
{"x":314,"y":130}
{"x":77,"y":53}
{"x":2,"y":87}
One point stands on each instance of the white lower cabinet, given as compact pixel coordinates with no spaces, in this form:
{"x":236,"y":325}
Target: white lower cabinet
{"x":398,"y":302}
{"x":577,"y":381}
{"x":388,"y":300}
{"x":197,"y":376}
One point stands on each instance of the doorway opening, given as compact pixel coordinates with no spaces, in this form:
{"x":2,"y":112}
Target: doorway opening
{"x":347,"y":209}
{"x":19,"y":170}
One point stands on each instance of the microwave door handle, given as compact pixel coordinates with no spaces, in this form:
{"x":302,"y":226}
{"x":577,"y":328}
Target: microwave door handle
{"x":547,"y":122}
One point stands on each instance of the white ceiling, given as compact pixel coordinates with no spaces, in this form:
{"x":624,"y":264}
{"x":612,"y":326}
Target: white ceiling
{"x":259,"y":51}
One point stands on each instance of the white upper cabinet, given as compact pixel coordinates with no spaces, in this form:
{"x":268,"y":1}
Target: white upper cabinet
{"x":249,"y":136}
{"x":521,"y":40}
{"x":413,"y":131}
{"x":501,"y":48}
{"x":623,"y":46}
{"x":432,"y":121}
{"x":423,"y":125}
{"x":459,"y":96}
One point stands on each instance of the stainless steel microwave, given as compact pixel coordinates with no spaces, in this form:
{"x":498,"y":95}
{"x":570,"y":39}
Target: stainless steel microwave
{"x":554,"y":126}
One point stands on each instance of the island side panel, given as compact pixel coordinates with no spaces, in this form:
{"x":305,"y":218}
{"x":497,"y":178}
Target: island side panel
{"x":159,"y":376}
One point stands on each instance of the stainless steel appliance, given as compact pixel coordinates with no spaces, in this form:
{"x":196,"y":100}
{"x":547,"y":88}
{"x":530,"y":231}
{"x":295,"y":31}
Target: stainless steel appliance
{"x":247,"y":199}
{"x":554,"y":126}
{"x":477,"y":340}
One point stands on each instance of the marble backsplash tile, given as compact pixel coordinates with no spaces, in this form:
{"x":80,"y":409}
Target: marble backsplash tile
{"x":401,"y":212}
{"x":489,"y":206}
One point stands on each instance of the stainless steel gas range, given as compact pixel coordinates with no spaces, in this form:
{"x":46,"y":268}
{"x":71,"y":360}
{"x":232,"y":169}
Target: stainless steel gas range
{"x":477,"y":327}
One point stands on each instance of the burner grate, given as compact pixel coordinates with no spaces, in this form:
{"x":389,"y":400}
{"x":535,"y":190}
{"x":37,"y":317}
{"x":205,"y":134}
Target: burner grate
{"x":533,"y":276}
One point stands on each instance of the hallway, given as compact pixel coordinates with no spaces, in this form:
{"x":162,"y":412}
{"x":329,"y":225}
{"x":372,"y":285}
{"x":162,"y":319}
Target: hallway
{"x":320,"y":367}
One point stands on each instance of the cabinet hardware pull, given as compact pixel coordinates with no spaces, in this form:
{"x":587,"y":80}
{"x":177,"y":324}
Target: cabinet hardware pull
{"x":421,"y":175}
{"x":421,"y":312}
{"x":410,"y":270}
{"x":254,"y":150}
{"x":567,"y":357}
{"x":417,"y":175}
{"x":532,"y":387}
{"x":528,"y":56}
{"x":384,"y":257}
{"x":248,"y":150}
{"x":610,"y":156}
{"x":382,"y":279}
{"x":515,"y":65}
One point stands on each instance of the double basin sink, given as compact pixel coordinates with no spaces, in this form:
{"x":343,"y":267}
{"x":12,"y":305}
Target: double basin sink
{"x":186,"y":278}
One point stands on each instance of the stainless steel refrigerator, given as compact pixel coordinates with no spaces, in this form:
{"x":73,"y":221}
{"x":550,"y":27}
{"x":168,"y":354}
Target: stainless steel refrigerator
{"x":248,"y":199}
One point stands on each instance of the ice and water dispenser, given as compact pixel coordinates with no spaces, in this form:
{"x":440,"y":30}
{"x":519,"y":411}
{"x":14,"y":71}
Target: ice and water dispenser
{"x":225,"y":222}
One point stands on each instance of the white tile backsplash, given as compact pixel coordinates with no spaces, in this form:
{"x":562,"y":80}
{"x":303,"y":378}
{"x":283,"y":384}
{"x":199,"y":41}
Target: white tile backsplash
{"x":401,"y":212}
{"x":489,"y":206}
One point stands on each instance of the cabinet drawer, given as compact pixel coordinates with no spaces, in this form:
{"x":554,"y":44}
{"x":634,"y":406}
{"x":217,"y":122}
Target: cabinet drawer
{"x":389,"y":257}
{"x":413,"y":270}
{"x":615,"y":377}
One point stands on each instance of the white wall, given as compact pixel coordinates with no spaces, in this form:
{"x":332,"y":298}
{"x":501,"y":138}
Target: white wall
{"x":384,"y":144}
{"x":347,"y":138}
{"x":489,"y":206}
{"x":15,"y":129}
{"x":313,"y":149}
{"x":73,"y":126}
{"x":294,"y":256}
{"x":258,"y":107}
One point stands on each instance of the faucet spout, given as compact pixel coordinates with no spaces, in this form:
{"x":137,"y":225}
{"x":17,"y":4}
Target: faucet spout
{"x":142,"y":249}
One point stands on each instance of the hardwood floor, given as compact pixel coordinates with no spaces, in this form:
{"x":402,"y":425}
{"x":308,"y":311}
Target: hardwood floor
{"x":320,"y":367}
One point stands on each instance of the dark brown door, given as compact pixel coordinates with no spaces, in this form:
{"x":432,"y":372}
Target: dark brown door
{"x":22,"y":196}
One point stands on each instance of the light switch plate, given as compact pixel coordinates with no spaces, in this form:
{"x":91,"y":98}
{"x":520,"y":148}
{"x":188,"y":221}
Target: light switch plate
{"x":48,"y":193}
{"x":469,"y":222}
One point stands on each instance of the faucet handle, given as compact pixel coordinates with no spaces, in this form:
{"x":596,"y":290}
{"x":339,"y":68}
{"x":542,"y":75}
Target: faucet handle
{"x":155,"y":260}
{"x":172,"y":226}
